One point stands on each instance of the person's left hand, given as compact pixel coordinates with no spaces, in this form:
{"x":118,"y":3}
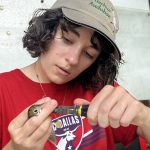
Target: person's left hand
{"x":114,"y":106}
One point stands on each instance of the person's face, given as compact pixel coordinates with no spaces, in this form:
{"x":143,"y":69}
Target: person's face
{"x":68,"y":55}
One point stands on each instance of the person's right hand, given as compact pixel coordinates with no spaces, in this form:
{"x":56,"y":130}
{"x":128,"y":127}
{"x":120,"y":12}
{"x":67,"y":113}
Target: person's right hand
{"x":31,"y":134}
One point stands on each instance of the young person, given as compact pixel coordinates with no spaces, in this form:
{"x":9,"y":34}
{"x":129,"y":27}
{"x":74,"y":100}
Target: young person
{"x":77,"y":64}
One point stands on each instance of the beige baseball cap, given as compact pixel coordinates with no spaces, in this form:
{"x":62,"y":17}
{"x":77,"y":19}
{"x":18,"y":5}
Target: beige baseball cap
{"x":99,"y":15}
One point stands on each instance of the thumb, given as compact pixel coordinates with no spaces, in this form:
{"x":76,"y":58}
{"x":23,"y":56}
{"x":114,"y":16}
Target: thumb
{"x":80,"y":101}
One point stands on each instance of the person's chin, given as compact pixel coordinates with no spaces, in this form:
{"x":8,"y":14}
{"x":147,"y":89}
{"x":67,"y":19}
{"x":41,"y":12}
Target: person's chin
{"x":59,"y":80}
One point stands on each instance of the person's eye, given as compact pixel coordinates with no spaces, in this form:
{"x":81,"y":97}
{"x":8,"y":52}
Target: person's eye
{"x":67,"y":40}
{"x":89,"y":55}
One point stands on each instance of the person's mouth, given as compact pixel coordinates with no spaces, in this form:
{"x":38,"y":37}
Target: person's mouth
{"x":63,"y":71}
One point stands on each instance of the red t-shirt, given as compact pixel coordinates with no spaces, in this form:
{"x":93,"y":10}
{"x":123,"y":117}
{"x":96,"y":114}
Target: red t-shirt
{"x":73,"y":132}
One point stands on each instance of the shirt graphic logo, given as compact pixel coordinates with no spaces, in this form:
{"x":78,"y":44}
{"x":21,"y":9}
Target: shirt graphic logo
{"x":69,"y":131}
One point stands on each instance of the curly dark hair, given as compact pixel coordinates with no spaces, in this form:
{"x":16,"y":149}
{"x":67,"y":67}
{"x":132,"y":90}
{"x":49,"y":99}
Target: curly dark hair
{"x":41,"y":31}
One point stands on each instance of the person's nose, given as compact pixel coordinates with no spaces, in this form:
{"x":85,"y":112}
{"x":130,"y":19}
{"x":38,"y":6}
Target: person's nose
{"x":73,"y":56}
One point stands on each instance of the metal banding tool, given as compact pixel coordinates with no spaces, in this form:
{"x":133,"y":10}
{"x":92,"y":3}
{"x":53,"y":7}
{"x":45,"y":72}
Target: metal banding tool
{"x":74,"y":110}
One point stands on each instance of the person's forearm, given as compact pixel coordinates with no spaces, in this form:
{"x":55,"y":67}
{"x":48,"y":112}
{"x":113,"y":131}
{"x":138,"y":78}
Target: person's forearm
{"x":144,"y":129}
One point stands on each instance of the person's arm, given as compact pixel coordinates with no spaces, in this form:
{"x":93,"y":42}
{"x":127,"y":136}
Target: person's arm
{"x":144,"y":127}
{"x":32,"y":133}
{"x":115,"y":107}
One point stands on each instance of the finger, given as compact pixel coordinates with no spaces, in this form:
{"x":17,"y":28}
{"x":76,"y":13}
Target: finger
{"x":45,"y":138}
{"x":117,"y":112}
{"x":93,"y":109}
{"x":33,"y":123}
{"x":80,"y":101}
{"x":20,"y":120}
{"x":131,"y":112}
{"x":41,"y":131}
{"x":107,"y":105}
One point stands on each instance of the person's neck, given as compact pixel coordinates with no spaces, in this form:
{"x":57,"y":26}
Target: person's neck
{"x":39,"y":73}
{"x":29,"y":72}
{"x":32,"y":71}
